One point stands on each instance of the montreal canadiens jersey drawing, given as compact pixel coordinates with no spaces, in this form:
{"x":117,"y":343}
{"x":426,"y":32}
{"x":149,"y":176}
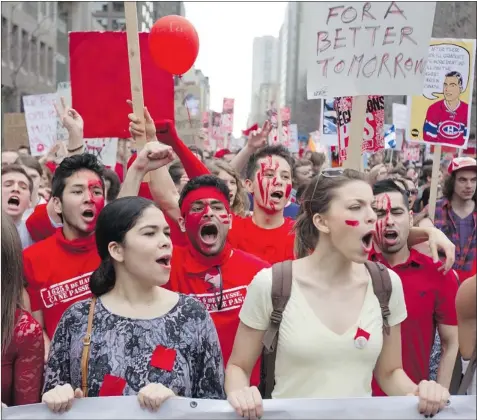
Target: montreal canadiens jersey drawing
{"x":443,"y":125}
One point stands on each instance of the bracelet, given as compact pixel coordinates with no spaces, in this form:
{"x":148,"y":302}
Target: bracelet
{"x":75,"y":150}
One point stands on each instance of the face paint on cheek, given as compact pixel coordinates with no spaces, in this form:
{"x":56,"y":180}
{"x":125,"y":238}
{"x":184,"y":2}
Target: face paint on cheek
{"x":353,"y":223}
{"x":288,"y":190}
{"x":383,"y":203}
{"x":224,"y":218}
{"x":193,"y":220}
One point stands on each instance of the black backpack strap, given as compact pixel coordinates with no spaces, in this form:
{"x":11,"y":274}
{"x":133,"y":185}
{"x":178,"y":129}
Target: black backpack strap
{"x":281,"y":290}
{"x":383,"y":288}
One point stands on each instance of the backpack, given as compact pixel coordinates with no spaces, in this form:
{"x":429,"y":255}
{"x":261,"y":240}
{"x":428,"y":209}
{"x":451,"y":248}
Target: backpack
{"x":281,"y":290}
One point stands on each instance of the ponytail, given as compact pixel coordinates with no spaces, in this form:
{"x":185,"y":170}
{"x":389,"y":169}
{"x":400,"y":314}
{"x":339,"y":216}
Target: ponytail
{"x":306,"y":235}
{"x":103,"y":278}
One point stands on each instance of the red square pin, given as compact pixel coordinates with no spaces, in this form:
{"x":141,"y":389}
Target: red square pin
{"x":112,"y":386}
{"x":163,"y":358}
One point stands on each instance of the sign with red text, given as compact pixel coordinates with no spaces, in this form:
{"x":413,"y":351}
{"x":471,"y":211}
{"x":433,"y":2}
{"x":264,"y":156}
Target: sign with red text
{"x":41,"y":122}
{"x":367,"y":48}
{"x":411,"y":152}
{"x":227,"y":122}
{"x":104,"y":149}
{"x":373,"y":134}
{"x":285,"y":123}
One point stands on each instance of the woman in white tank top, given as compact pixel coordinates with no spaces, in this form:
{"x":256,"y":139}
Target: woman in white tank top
{"x":331,"y":303}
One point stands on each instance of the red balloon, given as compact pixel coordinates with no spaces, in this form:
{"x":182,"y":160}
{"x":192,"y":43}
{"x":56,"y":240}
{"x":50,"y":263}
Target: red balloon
{"x":174,"y":44}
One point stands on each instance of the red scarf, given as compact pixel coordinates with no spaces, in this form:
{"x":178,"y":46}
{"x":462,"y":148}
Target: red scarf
{"x":198,"y":263}
{"x":76,"y":246}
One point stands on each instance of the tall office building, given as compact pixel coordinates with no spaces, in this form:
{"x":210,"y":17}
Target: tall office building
{"x":265,"y":67}
{"x":28,"y":51}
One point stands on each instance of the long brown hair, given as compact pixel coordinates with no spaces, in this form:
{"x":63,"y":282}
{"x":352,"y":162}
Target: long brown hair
{"x":12,"y":277}
{"x":316,"y":199}
{"x":241,"y":204}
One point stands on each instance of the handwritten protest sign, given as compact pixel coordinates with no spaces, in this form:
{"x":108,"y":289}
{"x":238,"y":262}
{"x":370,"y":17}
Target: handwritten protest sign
{"x":41,"y":121}
{"x":188,"y":112}
{"x":367,"y":48}
{"x":15,"y":132}
{"x":104,"y":149}
{"x":441,"y":114}
{"x":461,"y":407}
{"x":373,"y":134}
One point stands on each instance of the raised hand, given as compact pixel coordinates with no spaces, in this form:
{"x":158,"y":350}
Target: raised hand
{"x":259,"y":138}
{"x":140,"y":127}
{"x":166,"y":132}
{"x":153,"y":156}
{"x":70,"y":118}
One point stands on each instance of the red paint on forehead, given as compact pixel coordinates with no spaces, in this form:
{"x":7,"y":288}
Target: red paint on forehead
{"x":353,"y":223}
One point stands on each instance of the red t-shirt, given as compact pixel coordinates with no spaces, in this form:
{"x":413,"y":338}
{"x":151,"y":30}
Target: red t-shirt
{"x":190,"y":277}
{"x":430,"y":300}
{"x":57,"y":272}
{"x":271,"y":245}
{"x":22,"y":362}
{"x":39,"y":224}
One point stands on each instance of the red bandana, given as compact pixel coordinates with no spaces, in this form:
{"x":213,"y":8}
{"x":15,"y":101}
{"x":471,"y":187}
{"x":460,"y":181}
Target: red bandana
{"x":203,"y":193}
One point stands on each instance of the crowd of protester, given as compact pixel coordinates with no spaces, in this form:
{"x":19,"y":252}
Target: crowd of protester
{"x":116,"y":286}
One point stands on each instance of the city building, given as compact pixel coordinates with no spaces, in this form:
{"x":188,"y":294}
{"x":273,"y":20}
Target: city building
{"x":265,"y":69}
{"x":28,"y":51}
{"x":110,"y":14}
{"x":197,"y":77}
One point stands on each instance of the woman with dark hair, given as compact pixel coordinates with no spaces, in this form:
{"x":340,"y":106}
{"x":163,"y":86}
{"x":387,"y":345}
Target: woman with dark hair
{"x":239,"y":202}
{"x":22,"y":336}
{"x":332,"y":305}
{"x":178,"y":175}
{"x":133,"y":337}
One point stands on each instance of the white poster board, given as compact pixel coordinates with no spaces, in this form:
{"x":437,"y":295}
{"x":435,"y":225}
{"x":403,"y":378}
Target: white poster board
{"x":400,"y":116}
{"x":366,"y":48}
{"x":41,"y":122}
{"x":294,"y":146}
{"x":104,"y":149}
{"x":184,"y":408}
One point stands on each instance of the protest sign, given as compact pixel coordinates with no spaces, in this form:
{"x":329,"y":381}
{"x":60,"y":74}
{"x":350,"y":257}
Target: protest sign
{"x":15,"y":132}
{"x":373,"y":134}
{"x":187,"y":111}
{"x":441,"y":114}
{"x":461,"y":407}
{"x":272,"y":116}
{"x":107,"y":54}
{"x":285,"y":124}
{"x":216,"y":135}
{"x":400,"y":116}
{"x":294,"y":146}
{"x":104,"y":149}
{"x":367,"y":48}
{"x":411,"y":152}
{"x":329,"y":125}
{"x":227,"y":121}
{"x":41,"y":122}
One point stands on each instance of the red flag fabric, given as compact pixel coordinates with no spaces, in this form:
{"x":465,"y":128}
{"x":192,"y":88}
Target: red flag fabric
{"x":100,"y":83}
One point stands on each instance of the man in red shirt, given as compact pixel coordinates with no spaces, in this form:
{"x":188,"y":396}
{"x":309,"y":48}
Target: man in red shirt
{"x":267,"y":234}
{"x":429,"y":294}
{"x":207,"y":267}
{"x":57,"y":269}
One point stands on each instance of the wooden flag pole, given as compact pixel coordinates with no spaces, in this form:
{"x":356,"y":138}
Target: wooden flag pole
{"x":134,"y":55}
{"x":436,"y":163}
{"x":354,"y":158}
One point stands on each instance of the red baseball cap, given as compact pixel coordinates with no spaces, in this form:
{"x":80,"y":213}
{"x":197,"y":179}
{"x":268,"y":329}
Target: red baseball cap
{"x":221,"y":153}
{"x":462,"y":163}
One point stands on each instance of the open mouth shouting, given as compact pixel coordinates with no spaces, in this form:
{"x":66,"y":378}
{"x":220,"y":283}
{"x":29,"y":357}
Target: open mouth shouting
{"x":277,"y":195}
{"x":165,"y":261}
{"x":14,"y":201}
{"x":209,"y":233}
{"x":390,"y":237}
{"x":367,"y":241}
{"x":88,"y":215}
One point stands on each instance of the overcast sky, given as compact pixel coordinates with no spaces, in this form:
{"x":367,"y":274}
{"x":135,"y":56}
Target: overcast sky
{"x":226,"y":32}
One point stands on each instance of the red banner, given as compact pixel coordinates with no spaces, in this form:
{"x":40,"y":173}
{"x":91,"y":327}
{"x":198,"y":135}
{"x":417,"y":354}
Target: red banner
{"x":373,"y":135}
{"x":100,"y":83}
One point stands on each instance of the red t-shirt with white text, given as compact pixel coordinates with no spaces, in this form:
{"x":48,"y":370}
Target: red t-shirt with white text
{"x":57,"y":272}
{"x":271,"y":245}
{"x":237,"y":273}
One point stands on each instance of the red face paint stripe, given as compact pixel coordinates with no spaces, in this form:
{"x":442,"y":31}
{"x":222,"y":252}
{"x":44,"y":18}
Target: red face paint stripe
{"x":353,"y":223}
